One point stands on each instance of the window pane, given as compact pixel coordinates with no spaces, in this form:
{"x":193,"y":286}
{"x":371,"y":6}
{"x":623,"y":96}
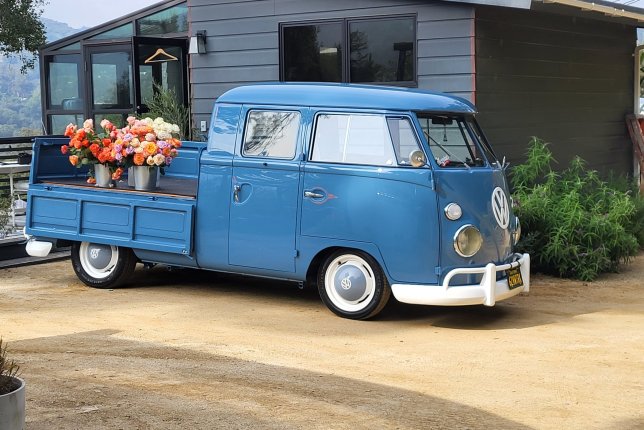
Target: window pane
{"x":403,"y":138}
{"x":450,"y":141}
{"x":382,"y":50}
{"x":121,"y":32}
{"x":271,"y":134}
{"x":118,"y":119}
{"x":70,"y":47}
{"x":172,"y":20}
{"x":62,"y":82}
{"x":356,"y":139}
{"x":59,"y":122}
{"x":112,"y":80}
{"x":313,"y":53}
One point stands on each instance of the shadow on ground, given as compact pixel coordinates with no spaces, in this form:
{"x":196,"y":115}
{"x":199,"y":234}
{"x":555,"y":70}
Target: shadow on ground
{"x":96,"y":380}
{"x":518,"y":312}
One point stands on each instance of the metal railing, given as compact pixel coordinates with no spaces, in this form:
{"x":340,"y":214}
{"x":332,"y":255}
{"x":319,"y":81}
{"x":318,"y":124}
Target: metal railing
{"x":10,"y":149}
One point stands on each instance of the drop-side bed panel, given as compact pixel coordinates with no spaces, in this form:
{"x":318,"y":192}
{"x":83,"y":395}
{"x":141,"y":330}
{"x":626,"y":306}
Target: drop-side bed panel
{"x":124,"y":219}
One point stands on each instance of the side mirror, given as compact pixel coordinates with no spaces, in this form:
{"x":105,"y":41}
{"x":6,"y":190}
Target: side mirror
{"x":417,"y":158}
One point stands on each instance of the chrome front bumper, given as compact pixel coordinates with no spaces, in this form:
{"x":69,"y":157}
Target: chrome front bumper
{"x":487,"y":293}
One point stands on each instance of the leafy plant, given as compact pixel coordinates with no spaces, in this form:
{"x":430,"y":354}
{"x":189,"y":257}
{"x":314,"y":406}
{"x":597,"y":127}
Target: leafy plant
{"x":5,"y":212}
{"x":9,"y":370}
{"x":575,"y":224}
{"x":165,"y":104}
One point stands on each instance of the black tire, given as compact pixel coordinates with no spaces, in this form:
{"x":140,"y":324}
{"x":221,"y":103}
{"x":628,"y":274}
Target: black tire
{"x":102,"y":266}
{"x":352,"y":285}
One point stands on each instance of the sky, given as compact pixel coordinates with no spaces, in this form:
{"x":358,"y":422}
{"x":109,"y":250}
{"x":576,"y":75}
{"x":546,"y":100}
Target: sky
{"x":90,"y":13}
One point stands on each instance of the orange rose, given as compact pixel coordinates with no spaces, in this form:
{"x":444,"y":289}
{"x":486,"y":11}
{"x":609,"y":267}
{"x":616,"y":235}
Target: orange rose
{"x":70,"y":130}
{"x":94,"y":148}
{"x":73,"y":159}
{"x":75,"y":143}
{"x":117,"y":174}
{"x":106,"y":142}
{"x":150,"y":148}
{"x":139,"y":159}
{"x":91,"y":180}
{"x":64,"y":149}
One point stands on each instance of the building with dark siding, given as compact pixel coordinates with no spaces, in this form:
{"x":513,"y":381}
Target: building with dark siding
{"x":562,"y":70}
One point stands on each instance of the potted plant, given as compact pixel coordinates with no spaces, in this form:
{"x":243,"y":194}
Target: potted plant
{"x":12,"y":393}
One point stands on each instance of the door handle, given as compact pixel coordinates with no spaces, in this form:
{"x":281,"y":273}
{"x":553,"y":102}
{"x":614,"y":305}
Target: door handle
{"x":236,"y":190}
{"x":312,"y":195}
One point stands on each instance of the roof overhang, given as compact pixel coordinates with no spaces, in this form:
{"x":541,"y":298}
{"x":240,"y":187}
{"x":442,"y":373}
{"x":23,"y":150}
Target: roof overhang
{"x":608,"y":9}
{"x":605,"y":8}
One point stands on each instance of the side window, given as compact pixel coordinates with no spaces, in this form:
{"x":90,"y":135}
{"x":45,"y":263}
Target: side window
{"x":353,"y":139}
{"x":403,"y":138}
{"x":271,"y":134}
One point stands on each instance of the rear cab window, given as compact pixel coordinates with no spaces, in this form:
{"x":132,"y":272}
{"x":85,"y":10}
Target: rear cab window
{"x":271,"y":134}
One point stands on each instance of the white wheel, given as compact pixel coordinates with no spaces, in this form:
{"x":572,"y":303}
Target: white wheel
{"x":352,"y":285}
{"x":98,"y":261}
{"x":102,"y":266}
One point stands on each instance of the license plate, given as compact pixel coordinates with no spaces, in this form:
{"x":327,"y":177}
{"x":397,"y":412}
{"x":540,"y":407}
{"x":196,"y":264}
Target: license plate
{"x":515,"y":279}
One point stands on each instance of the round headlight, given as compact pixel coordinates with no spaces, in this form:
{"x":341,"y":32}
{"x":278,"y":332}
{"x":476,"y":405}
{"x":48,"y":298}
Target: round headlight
{"x":453,"y":211}
{"x":517,"y":232}
{"x":467,"y":241}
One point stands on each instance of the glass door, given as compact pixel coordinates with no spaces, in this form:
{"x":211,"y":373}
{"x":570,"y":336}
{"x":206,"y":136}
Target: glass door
{"x":160,"y":64}
{"x":111,"y":83}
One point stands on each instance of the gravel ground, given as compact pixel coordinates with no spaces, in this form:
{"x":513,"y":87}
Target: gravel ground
{"x":187,"y":349}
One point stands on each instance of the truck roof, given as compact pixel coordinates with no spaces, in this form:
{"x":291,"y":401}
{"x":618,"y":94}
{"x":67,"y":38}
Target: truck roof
{"x":334,"y":95}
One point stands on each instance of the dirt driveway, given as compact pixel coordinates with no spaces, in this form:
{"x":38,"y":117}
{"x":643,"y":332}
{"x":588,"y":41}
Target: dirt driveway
{"x":198,"y":350}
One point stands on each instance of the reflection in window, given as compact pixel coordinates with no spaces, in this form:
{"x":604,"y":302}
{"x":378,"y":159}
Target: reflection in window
{"x":117,"y":119}
{"x":70,"y":47}
{"x":63,"y":82}
{"x":313,"y":53}
{"x":403,"y":138}
{"x":271,"y":134}
{"x":382,"y":50}
{"x":172,"y":20}
{"x":112,"y":80}
{"x":121,"y":32}
{"x":355,"y":139}
{"x":59,"y":122}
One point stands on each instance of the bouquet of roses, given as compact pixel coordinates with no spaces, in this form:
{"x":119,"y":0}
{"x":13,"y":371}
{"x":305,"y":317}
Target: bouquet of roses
{"x":87,"y":147}
{"x":143,"y":142}
{"x":149,"y":142}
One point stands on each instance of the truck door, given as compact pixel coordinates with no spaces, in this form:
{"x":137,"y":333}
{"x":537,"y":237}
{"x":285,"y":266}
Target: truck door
{"x":265,"y":191}
{"x":360,"y":188}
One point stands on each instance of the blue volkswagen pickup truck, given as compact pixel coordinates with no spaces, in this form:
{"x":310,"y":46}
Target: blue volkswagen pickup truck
{"x":362,"y":191}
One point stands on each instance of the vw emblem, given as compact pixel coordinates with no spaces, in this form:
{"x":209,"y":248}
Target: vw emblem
{"x":345,"y":283}
{"x":500,"y":208}
{"x":93,"y":253}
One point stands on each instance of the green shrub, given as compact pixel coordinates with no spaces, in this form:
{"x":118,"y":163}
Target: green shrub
{"x":575,"y":225}
{"x":5,"y":214}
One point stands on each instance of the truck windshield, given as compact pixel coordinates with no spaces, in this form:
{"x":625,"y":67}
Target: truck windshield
{"x":452,"y":141}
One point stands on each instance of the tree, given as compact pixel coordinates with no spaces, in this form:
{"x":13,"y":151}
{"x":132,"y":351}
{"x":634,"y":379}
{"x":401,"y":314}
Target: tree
{"x":21,"y":32}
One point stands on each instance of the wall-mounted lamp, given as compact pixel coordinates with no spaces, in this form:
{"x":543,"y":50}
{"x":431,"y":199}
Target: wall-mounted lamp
{"x":198,"y":43}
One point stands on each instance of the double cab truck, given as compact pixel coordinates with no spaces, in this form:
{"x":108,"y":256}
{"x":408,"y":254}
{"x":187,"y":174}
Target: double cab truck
{"x":363,"y":191}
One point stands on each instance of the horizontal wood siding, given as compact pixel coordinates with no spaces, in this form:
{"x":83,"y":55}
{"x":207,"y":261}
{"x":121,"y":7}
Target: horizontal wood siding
{"x":568,"y":80}
{"x":243,"y":41}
